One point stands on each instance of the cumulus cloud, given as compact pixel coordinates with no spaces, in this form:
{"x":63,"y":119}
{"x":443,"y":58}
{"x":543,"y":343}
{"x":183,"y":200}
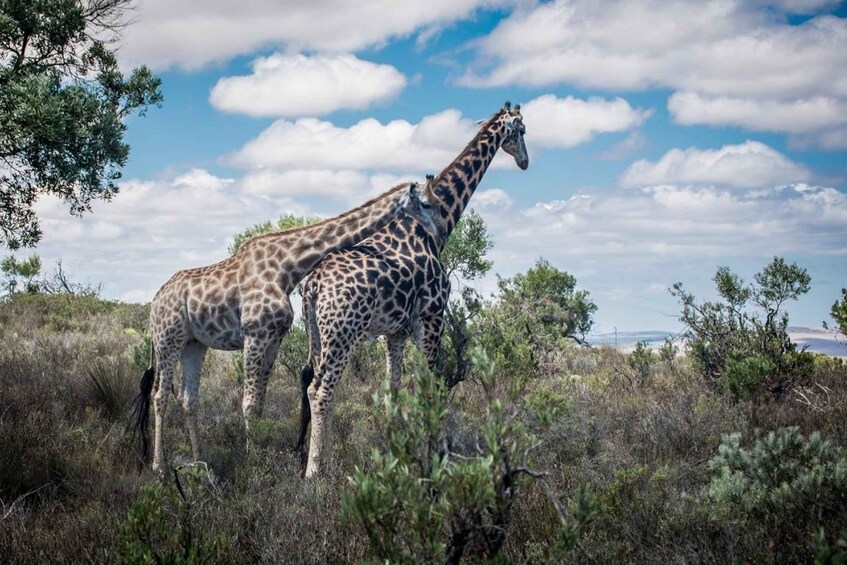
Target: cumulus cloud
{"x":750,"y":164}
{"x":794,"y":116}
{"x":297,"y":85}
{"x":192,"y":33}
{"x":432,"y":143}
{"x":567,"y":122}
{"x":368,"y":144}
{"x":719,"y":50}
{"x":664,"y":223}
{"x":345,"y":185}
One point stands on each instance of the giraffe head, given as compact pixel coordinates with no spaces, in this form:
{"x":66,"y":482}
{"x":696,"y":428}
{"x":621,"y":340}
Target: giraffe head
{"x":420,"y":208}
{"x":512,"y":123}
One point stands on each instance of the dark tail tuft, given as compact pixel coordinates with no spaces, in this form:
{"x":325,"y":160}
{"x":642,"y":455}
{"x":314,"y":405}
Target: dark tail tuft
{"x":141,"y":410}
{"x":306,"y":378}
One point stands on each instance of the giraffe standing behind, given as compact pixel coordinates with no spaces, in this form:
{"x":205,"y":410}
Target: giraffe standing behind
{"x":392,"y":284}
{"x":243,"y":303}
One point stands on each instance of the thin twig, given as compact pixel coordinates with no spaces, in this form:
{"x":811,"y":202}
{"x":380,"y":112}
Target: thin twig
{"x":8,"y":512}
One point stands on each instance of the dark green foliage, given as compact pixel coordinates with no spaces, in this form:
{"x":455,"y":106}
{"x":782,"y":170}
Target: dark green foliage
{"x":534,"y":317}
{"x":741,"y":341}
{"x":161,"y":528}
{"x":839,"y":312}
{"x":790,"y":484}
{"x":63,"y":104}
{"x":464,"y":260}
{"x":113,"y":384}
{"x":547,"y":297}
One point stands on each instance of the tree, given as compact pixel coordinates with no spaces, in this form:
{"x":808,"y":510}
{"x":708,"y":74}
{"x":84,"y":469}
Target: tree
{"x":21,"y":273}
{"x":549,"y":297}
{"x":285,"y":222}
{"x":463,"y":260}
{"x":535,"y":316}
{"x":63,"y":102}
{"x":741,"y":341}
{"x":839,"y":312}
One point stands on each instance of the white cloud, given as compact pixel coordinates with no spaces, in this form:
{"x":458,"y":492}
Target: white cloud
{"x":492,"y":198}
{"x":794,"y":116}
{"x":750,"y":164}
{"x":297,"y":85}
{"x":432,"y":143}
{"x":727,"y":50}
{"x":310,"y":143}
{"x":666,"y":222}
{"x":192,"y":33}
{"x":567,"y":122}
{"x":625,"y":244}
{"x":345,"y":185}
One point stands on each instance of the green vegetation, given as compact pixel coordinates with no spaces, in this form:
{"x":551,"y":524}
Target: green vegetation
{"x":63,"y":105}
{"x":523,"y":446}
{"x":740,"y":343}
{"x":661,"y":469}
{"x":839,"y":312}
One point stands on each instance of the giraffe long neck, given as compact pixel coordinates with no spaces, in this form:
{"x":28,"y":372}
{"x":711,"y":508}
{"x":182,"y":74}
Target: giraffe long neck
{"x":453,"y":187}
{"x":302,"y":249}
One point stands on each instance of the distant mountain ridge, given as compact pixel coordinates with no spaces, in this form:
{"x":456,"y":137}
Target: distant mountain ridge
{"x":816,"y":340}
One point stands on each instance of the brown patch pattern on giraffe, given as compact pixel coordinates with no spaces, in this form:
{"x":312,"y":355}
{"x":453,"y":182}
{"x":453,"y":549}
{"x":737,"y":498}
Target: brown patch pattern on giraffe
{"x":391,"y":284}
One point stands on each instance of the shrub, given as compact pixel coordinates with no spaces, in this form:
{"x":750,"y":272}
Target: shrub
{"x":748,"y":322}
{"x":641,"y":360}
{"x":786,"y":483}
{"x":420,"y":501}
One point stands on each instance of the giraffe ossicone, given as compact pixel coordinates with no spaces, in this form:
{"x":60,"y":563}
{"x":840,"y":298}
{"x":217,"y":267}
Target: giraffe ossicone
{"x":392,"y":284}
{"x":243,"y":303}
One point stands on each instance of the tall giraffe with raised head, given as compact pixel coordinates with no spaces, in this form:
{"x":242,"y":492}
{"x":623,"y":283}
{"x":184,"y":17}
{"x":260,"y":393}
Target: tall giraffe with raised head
{"x":392,"y":284}
{"x":243,"y":303}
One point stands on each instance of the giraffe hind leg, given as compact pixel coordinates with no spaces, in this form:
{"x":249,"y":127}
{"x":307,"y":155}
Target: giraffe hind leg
{"x":165,"y":367}
{"x":193,"y":356}
{"x":320,"y":393}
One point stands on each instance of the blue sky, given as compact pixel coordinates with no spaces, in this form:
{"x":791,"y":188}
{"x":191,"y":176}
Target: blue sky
{"x":665,"y":138}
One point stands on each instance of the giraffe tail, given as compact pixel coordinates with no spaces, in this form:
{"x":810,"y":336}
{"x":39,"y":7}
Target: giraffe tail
{"x":141,"y":408}
{"x":307,"y":375}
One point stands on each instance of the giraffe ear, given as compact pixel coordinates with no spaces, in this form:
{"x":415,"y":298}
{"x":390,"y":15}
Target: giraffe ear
{"x":414,"y":194}
{"x":480,"y":122}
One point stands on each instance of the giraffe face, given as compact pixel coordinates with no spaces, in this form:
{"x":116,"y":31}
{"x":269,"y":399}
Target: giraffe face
{"x":421,"y":209}
{"x":513,"y":142}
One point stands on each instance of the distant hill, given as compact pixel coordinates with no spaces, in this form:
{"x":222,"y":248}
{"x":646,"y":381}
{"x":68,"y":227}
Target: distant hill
{"x":816,"y":340}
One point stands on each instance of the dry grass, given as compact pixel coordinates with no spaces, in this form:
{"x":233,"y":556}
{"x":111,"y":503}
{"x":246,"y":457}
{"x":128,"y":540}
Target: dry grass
{"x":68,"y":477}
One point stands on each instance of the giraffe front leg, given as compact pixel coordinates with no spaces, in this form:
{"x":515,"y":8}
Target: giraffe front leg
{"x":428,"y":337}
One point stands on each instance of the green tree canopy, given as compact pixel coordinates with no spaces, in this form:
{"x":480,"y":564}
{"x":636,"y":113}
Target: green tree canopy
{"x":839,"y":312}
{"x":285,"y":222}
{"x":549,"y":296}
{"x":741,"y":339}
{"x":63,"y":102}
{"x":21,"y":273}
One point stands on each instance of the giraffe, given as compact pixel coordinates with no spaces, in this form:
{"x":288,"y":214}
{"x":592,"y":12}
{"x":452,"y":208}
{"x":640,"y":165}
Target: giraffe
{"x":243,"y":303}
{"x":392,"y":284}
